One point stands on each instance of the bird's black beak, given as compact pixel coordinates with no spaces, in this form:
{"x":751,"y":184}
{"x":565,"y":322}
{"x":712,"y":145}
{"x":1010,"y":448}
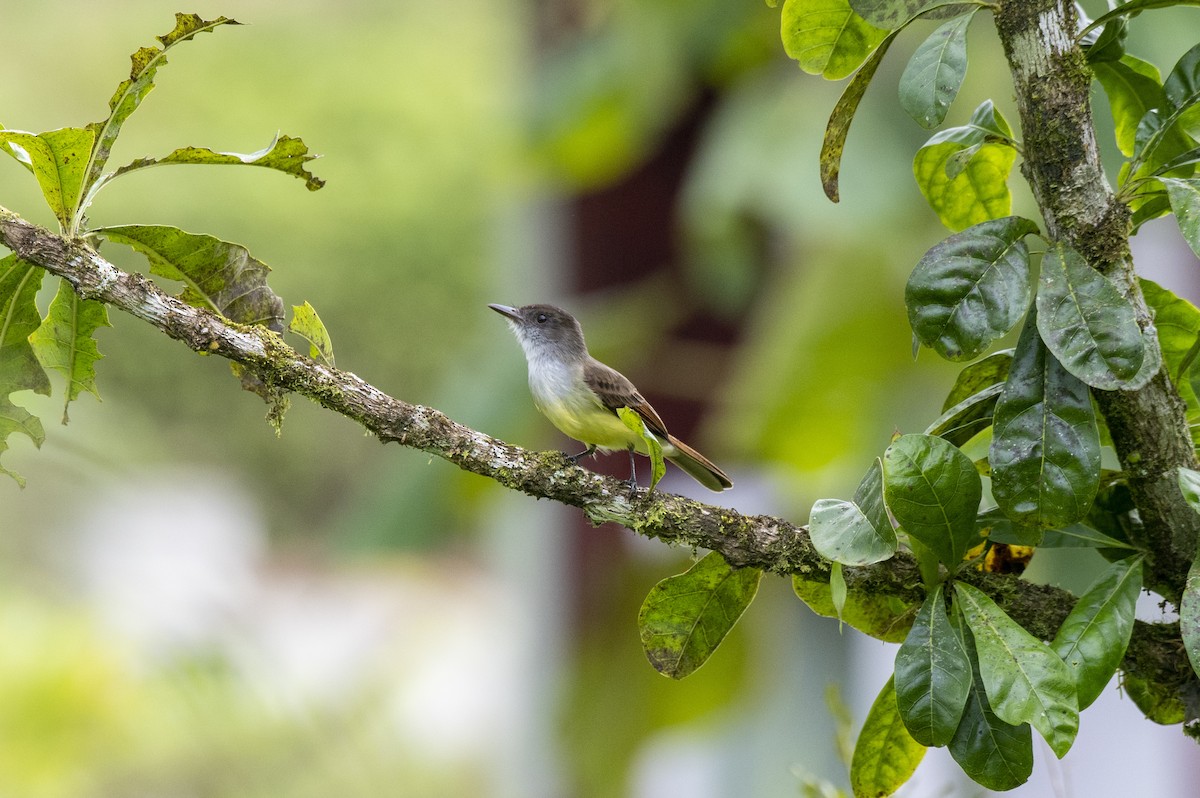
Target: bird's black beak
{"x":505,"y":310}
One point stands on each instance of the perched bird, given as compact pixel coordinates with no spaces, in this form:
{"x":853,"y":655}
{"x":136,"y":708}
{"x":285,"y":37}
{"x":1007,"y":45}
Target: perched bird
{"x":580,"y":395}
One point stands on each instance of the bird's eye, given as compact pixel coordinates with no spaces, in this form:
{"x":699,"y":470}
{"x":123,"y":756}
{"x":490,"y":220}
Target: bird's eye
{"x":542,"y":318}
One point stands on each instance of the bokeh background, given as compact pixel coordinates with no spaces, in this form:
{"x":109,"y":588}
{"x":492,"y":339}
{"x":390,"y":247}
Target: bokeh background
{"x":191,"y":606}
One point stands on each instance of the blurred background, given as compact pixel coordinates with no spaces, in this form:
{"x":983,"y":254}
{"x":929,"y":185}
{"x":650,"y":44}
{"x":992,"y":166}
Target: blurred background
{"x":190,"y":606}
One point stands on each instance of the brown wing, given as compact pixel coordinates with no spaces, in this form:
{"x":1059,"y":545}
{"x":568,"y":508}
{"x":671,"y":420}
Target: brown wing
{"x":615,"y":390}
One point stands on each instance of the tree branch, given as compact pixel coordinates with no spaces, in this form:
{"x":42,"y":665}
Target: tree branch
{"x":1052,"y":81}
{"x":764,"y":542}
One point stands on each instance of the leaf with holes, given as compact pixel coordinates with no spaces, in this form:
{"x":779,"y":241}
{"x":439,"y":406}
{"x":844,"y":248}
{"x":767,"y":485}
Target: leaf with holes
{"x":58,"y":159}
{"x":64,"y":342}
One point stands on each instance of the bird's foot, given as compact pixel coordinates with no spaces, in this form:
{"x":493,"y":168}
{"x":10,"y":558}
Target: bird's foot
{"x":575,"y":458}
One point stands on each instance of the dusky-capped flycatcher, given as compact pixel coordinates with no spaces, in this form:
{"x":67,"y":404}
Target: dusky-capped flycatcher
{"x":580,"y":395}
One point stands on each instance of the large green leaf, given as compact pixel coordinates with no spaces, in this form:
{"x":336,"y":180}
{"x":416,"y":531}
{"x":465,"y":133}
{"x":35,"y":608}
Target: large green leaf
{"x":995,"y":754}
{"x":978,"y":376}
{"x":132,"y":90}
{"x":1025,"y":680}
{"x":1045,"y":452}
{"x":885,"y":754}
{"x":971,"y":288}
{"x":1087,"y":322}
{"x":685,"y":617}
{"x":933,"y":490}
{"x":854,"y":532}
{"x":838,"y":127}
{"x":885,"y":618}
{"x":935,"y":72}
{"x":1133,"y":87}
{"x":826,"y":37}
{"x":58,"y":159}
{"x":64,"y":341}
{"x":963,"y":171}
{"x":1185,"y":204}
{"x":1182,"y":88}
{"x":933,"y":675}
{"x":19,"y":367}
{"x":218,"y":275}
{"x":1093,"y":638}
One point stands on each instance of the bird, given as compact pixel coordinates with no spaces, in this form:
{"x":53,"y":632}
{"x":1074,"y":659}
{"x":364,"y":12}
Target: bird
{"x":581,"y":396}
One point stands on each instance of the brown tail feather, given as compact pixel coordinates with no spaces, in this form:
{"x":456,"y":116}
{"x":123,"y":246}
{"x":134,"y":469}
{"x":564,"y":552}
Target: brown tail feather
{"x":698,"y":467}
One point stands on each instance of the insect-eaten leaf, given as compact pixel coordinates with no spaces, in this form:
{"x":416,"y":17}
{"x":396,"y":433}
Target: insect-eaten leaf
{"x":971,"y":288}
{"x":685,"y":617}
{"x":658,"y":468}
{"x":885,"y":755}
{"x":935,"y":72}
{"x":1045,"y":452}
{"x":307,"y":324}
{"x":963,"y":171}
{"x":58,"y":159}
{"x":218,"y":275}
{"x":19,"y":366}
{"x":933,"y":490}
{"x":284,"y":154}
{"x":64,"y":342}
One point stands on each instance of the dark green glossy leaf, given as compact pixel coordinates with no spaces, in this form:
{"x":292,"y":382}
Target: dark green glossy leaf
{"x":1133,"y":87}
{"x":933,"y":490}
{"x":58,"y":159}
{"x":64,"y":342}
{"x":630,"y":418}
{"x":885,"y":618}
{"x":1087,"y":322}
{"x":131,"y":91}
{"x":997,"y":527}
{"x":968,"y":418}
{"x":1025,"y":680}
{"x":933,"y":675}
{"x":1093,"y":638}
{"x":826,"y":37}
{"x":1045,"y":452}
{"x":218,"y":275}
{"x":997,"y":755}
{"x":1072,"y":536}
{"x":885,"y":755}
{"x":685,"y":617}
{"x":935,"y":72}
{"x":1109,"y":45}
{"x":838,"y":127}
{"x":1185,"y":203}
{"x":308,"y":325}
{"x":856,"y":532}
{"x":978,"y":376}
{"x":971,"y":288}
{"x":963,"y":171}
{"x":1182,"y":86}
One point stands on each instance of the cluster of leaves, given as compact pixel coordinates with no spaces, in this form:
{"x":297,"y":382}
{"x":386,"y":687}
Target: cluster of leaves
{"x":69,"y":166}
{"x":1014,"y":460}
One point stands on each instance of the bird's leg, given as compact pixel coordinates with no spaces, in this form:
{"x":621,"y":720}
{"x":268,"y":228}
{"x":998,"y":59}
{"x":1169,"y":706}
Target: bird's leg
{"x":633,"y":484}
{"x":574,"y":458}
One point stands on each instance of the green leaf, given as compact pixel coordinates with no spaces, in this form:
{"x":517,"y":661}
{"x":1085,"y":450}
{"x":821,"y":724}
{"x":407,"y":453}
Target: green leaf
{"x":968,"y":418}
{"x":19,"y":367}
{"x":856,"y":532}
{"x":1087,"y":322}
{"x":1158,"y":702}
{"x":935,"y":72}
{"x":826,"y":37}
{"x":1109,"y":45}
{"x":1185,"y":203}
{"x":1093,"y":638}
{"x":933,"y":490}
{"x":64,"y":341}
{"x":933,"y":675}
{"x":132,"y":90}
{"x":971,"y":288}
{"x":838,"y":591}
{"x":894,"y":14}
{"x":1072,"y":536}
{"x":58,"y":159}
{"x":1189,"y":614}
{"x":1177,"y":323}
{"x":977,"y":377}
{"x":218,"y":275}
{"x":1182,"y":86}
{"x":1045,"y":452}
{"x":630,"y":418}
{"x":885,"y":755}
{"x":1025,"y":680}
{"x":1189,"y":485}
{"x":307,"y":324}
{"x":995,"y":754}
{"x":963,"y":171}
{"x":996,"y":527}
{"x":885,"y":618}
{"x":838,"y":127}
{"x":284,"y":154}
{"x":1133,"y":8}
{"x":685,"y":617}
{"x":1133,"y":87}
